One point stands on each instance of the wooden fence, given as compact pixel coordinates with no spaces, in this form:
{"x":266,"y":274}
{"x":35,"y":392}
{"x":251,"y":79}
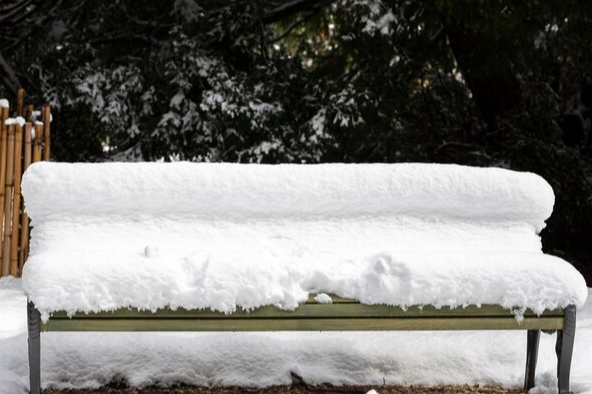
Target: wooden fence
{"x":25,"y":139}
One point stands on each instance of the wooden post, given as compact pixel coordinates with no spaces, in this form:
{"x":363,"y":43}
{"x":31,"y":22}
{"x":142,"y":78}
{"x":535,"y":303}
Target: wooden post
{"x":16,"y":205}
{"x":29,"y":113}
{"x":3,"y":114}
{"x":46,"y":132}
{"x":8,"y":201}
{"x":20,"y":102}
{"x":24,"y":217}
{"x":3,"y":142}
{"x":37,"y":142}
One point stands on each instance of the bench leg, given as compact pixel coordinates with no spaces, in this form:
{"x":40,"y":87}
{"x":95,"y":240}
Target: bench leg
{"x":564,"y":349}
{"x":532,"y":353}
{"x":34,"y":321}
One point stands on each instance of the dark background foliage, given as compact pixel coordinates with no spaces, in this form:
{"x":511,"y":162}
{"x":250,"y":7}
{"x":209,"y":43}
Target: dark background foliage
{"x":485,"y":83}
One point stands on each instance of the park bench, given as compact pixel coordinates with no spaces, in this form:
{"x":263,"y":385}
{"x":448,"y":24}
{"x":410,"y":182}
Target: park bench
{"x":314,"y":314}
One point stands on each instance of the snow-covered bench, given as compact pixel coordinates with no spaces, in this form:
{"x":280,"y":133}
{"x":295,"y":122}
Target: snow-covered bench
{"x":223,"y":247}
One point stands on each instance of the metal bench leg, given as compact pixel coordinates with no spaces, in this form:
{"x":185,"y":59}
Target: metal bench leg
{"x":532,"y":353}
{"x":34,"y":320}
{"x":564,"y":349}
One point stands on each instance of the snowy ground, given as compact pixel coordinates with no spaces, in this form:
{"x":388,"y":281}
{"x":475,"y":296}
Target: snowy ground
{"x":263,"y":359}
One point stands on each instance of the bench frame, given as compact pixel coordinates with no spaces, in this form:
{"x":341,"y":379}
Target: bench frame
{"x":341,"y":315}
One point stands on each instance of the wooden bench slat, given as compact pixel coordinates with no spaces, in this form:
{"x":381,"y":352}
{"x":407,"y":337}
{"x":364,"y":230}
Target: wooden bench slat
{"x":307,"y":311}
{"x":335,"y":299}
{"x":321,"y":324}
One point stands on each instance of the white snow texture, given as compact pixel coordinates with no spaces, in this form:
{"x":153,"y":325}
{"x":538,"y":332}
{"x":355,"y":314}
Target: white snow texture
{"x":19,"y":120}
{"x":90,"y":359}
{"x":223,"y":236}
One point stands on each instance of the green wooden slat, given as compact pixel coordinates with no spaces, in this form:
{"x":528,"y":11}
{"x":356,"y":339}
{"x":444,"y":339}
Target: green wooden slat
{"x":342,"y":315}
{"x":335,"y":299}
{"x":297,"y":324}
{"x":312,"y":311}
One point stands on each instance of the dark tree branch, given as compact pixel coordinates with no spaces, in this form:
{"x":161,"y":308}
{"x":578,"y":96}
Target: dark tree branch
{"x":291,"y":8}
{"x":125,"y":36}
{"x":8,"y":76}
{"x":15,"y":26}
{"x":262,"y":35}
{"x":18,"y":8}
{"x":293,"y":26}
{"x":29,"y":30}
{"x":13,"y":5}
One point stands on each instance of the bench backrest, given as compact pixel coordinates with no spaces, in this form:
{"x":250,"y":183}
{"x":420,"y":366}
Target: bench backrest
{"x":401,"y":206}
{"x":334,"y":190}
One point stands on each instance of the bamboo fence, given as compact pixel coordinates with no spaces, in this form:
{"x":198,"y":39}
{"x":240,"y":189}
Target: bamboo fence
{"x":20,"y":145}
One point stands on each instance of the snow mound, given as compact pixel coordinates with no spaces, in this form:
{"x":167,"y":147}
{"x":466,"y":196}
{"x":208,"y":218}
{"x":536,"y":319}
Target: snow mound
{"x":223,"y":236}
{"x":334,"y":190}
{"x":107,"y":281}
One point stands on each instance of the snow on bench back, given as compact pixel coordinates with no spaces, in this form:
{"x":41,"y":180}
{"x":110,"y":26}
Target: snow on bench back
{"x":337,"y":190}
{"x":218,"y":236}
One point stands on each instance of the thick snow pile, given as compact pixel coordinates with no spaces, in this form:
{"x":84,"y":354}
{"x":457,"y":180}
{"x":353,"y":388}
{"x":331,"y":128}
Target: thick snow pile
{"x":4,"y":103}
{"x":302,"y":191}
{"x":104,"y":281}
{"x":221,"y":236}
{"x":263,"y":359}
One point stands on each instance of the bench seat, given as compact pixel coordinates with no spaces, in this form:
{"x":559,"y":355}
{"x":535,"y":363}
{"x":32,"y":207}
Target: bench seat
{"x":334,"y":318}
{"x":341,"y":315}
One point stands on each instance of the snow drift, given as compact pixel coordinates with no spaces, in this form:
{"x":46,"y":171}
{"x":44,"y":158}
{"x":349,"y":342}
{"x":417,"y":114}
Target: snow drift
{"x":223,"y":236}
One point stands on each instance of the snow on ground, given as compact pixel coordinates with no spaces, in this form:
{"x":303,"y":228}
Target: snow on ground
{"x":261,"y":359}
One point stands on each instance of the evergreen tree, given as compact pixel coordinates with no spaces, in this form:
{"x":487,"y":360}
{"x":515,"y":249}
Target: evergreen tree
{"x":488,"y":83}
